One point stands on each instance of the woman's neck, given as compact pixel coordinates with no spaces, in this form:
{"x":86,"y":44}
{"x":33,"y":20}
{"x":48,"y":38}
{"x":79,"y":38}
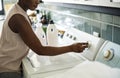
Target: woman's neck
{"x":21,"y":4}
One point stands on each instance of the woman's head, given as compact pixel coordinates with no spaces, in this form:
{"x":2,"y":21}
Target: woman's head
{"x":28,"y":4}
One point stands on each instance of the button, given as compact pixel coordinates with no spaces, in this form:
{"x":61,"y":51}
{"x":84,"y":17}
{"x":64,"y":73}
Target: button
{"x":74,"y":38}
{"x":71,"y":36}
{"x":67,"y":35}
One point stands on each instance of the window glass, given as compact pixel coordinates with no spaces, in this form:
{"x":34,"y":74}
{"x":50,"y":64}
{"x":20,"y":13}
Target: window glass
{"x":0,"y":6}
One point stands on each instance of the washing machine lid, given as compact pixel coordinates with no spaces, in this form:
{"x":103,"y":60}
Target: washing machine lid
{"x":41,"y":64}
{"x":89,"y":69}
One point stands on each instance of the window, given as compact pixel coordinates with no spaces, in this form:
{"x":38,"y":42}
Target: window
{"x":1,"y":8}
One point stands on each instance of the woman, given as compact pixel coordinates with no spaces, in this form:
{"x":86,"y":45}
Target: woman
{"x":18,"y":37}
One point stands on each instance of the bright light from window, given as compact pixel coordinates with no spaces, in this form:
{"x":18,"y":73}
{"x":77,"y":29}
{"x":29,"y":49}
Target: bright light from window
{"x":0,"y":5}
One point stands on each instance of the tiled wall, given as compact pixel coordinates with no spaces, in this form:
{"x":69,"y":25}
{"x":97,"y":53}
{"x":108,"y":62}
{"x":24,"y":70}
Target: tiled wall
{"x":9,"y":1}
{"x":8,"y":4}
{"x":108,"y":26}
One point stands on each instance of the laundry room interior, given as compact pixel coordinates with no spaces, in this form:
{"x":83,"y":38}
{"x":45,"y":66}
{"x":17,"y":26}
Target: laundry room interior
{"x":65,"y":22}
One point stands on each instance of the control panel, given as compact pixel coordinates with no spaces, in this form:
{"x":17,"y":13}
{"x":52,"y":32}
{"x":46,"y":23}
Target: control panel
{"x":109,"y":54}
{"x":73,"y":35}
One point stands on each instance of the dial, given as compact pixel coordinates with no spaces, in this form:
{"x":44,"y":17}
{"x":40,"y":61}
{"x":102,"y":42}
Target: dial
{"x":108,"y":54}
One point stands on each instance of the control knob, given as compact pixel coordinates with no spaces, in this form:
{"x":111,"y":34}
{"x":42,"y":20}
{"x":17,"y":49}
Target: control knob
{"x":108,"y":55}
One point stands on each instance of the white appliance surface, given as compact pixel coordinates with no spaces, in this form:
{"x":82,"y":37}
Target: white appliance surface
{"x":74,"y":35}
{"x":89,"y":69}
{"x":35,"y":66}
{"x":109,"y":54}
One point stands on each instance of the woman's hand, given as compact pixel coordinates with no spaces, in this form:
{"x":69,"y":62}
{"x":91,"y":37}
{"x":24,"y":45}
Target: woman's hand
{"x":79,"y":47}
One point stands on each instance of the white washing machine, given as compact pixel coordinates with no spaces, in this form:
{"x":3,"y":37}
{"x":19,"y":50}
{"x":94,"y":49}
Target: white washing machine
{"x":106,"y":65}
{"x":45,"y":66}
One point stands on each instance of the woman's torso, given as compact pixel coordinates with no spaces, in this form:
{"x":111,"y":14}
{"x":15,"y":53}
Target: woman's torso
{"x":12,"y":47}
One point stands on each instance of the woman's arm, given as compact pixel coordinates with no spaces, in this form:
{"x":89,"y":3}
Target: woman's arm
{"x":19,"y":24}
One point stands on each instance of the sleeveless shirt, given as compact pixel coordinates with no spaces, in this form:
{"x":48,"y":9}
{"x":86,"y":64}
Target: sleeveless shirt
{"x":12,"y":47}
